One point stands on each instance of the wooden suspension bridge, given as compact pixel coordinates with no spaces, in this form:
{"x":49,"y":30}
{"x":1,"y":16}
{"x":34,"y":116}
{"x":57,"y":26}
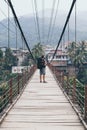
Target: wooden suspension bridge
{"x":42,"y":106}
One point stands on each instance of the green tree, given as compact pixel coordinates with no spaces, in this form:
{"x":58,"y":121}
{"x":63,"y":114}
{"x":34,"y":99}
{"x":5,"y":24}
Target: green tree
{"x":37,"y":50}
{"x":10,"y":60}
{"x":82,"y":75}
{"x":78,"y":54}
{"x":71,"y":52}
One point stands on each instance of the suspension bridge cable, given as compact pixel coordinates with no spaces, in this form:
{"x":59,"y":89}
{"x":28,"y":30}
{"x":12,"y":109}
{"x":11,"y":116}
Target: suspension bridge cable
{"x":8,"y":27}
{"x":3,"y":12}
{"x":54,"y":20}
{"x":75,"y":22}
{"x":6,"y":16}
{"x":9,"y":21}
{"x":50,"y":25}
{"x":17,"y":21}
{"x":37,"y":19}
{"x":68,"y":17}
{"x":16,"y":36}
{"x":68,"y":33}
{"x":43,"y":5}
{"x":75,"y":33}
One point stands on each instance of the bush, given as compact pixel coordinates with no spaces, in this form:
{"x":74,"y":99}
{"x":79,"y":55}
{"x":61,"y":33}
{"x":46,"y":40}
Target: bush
{"x":82,"y":76}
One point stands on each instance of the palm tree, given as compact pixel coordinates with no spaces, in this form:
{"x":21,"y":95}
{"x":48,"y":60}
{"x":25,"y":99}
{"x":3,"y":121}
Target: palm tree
{"x":78,"y":54}
{"x":37,"y":50}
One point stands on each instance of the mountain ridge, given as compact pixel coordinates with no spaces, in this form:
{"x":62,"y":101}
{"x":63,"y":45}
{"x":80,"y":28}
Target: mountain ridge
{"x":28,"y":26}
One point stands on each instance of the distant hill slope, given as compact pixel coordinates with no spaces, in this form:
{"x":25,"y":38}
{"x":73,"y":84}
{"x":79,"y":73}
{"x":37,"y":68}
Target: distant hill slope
{"x":29,"y":28}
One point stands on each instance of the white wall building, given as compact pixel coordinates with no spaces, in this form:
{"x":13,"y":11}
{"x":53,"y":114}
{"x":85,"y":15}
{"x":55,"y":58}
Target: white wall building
{"x":60,"y":55}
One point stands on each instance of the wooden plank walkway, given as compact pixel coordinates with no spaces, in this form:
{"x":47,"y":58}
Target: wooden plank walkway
{"x":42,"y":106}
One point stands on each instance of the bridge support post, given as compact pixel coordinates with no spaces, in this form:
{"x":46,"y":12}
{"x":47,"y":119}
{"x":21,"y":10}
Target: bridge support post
{"x":22,"y":80}
{"x":67,"y":83}
{"x":61,"y":77}
{"x":18,"y":84}
{"x":56,"y":73}
{"x":10,"y":91}
{"x":62,"y":80}
{"x":25,"y":78}
{"x":85,"y":104}
{"x":53,"y":69}
{"x":74,"y":90}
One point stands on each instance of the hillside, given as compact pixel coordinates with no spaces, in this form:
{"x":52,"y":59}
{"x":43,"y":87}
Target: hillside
{"x":28,"y":26}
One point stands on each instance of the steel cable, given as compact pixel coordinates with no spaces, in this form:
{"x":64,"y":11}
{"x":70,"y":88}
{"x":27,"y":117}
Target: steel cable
{"x":67,"y":19}
{"x":51,"y":19}
{"x":54,"y":21}
{"x":16,"y":20}
{"x":37,"y":19}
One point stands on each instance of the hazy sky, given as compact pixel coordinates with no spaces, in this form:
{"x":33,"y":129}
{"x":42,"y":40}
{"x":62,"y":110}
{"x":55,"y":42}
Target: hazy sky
{"x":24,"y":7}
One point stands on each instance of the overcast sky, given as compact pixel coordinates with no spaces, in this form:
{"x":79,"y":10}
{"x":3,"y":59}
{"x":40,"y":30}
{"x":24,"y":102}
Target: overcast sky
{"x":24,"y":7}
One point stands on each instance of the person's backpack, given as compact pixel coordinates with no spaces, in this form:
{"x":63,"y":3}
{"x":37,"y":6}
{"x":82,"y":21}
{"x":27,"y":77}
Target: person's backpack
{"x":40,"y":63}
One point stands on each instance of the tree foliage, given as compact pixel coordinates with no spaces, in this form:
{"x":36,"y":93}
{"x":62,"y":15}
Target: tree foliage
{"x":10,"y":59}
{"x":37,"y":50}
{"x":6,"y":63}
{"x":78,"y":57}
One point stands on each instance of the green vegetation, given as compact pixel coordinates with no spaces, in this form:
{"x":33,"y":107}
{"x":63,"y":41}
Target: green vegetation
{"x":79,"y":85}
{"x":75,"y":89}
{"x":78,"y":57}
{"x":37,"y":51}
{"x":6,"y":62}
{"x":10,"y":60}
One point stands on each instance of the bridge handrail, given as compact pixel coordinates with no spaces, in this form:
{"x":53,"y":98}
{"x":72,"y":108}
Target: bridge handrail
{"x":78,"y":95}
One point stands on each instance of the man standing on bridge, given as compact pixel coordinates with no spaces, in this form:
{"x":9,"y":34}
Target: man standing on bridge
{"x":41,"y":64}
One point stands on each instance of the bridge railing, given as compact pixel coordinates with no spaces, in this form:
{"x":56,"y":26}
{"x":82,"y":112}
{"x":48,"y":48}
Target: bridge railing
{"x":12,"y":88}
{"x":76,"y":91}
